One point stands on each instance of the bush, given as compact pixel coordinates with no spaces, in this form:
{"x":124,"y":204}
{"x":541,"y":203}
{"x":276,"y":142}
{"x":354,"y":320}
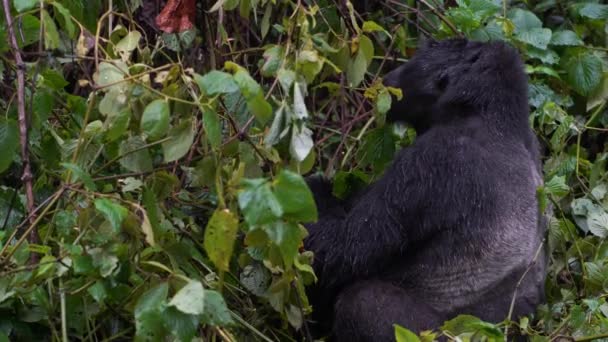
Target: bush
{"x":166,"y":191}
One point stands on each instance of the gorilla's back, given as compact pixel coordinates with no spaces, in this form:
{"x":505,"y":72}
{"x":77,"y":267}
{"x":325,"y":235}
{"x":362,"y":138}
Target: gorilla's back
{"x":487,"y":222}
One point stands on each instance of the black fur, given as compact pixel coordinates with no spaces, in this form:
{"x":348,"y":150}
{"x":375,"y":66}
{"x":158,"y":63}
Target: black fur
{"x":454,"y":222}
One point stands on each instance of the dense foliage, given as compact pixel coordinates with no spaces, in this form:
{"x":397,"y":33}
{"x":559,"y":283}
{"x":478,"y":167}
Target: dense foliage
{"x":168,"y":199}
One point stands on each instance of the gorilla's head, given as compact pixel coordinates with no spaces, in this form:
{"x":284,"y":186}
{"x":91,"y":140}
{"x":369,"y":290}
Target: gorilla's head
{"x":456,"y":77}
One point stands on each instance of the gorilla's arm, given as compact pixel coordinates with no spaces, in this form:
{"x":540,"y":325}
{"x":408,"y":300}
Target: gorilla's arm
{"x":372,"y":233}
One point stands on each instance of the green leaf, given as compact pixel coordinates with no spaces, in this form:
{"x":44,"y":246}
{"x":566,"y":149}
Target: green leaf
{"x":301,"y":143}
{"x":260,"y":108}
{"x":594,"y":11}
{"x":378,"y":148}
{"x":299,"y":106}
{"x":357,"y":67}
{"x":537,"y":37}
{"x":565,"y":38}
{"x":258,"y":203}
{"x":30,"y":28}
{"x":112,"y":211}
{"x":372,"y":26}
{"x":24,"y":5}
{"x":54,"y":79}
{"x":117,"y":125}
{"x":295,"y":197}
{"x":182,"y":137}
{"x":584,"y":72}
{"x":152,"y":300}
{"x":216,"y":82}
{"x":524,"y":20}
{"x":148,"y":314}
{"x":181,"y":325}
{"x":79,"y":173}
{"x":67,"y":18}
{"x":109,"y":75}
{"x":404,"y":335}
{"x":220,"y":235}
{"x":135,"y":158}
{"x":557,"y":186}
{"x":128,"y":43}
{"x":9,"y":142}
{"x":216,"y":311}
{"x":470,"y":324}
{"x":51,"y":35}
{"x":598,"y":223}
{"x":190,"y":299}
{"x":155,"y":119}
{"x":213,"y":128}
{"x":288,"y":236}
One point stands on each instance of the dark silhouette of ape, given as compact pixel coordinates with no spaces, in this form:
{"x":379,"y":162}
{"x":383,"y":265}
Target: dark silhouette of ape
{"x":454,"y":223}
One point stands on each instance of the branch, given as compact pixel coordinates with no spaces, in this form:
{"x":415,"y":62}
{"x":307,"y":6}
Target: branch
{"x":27,"y":175}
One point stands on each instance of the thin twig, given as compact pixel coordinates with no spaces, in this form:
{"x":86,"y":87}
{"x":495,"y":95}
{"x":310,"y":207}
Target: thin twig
{"x":27,"y":175}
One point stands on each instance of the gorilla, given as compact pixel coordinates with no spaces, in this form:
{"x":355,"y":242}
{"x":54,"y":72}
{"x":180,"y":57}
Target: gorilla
{"x":454,"y":224}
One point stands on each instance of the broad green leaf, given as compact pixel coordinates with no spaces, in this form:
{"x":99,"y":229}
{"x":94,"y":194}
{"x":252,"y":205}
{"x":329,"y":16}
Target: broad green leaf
{"x":301,"y":142}
{"x":213,"y":128}
{"x":248,"y":86}
{"x":258,"y":203}
{"x":598,"y":223}
{"x":216,"y":82}
{"x":274,"y":133}
{"x":599,"y":95}
{"x":594,"y":11}
{"x":24,"y":5}
{"x":295,"y":197}
{"x":110,"y":74}
{"x":286,"y":79}
{"x":524,"y":20}
{"x":216,"y":311}
{"x":357,"y":67}
{"x":557,"y":186}
{"x":404,"y":335}
{"x":288,"y":236}
{"x":136,"y":157}
{"x":155,"y":119}
{"x":29,"y":28}
{"x":260,"y":108}
{"x":584,"y":72}
{"x":117,"y":125}
{"x":220,"y":235}
{"x":299,"y":106}
{"x":378,"y":148}
{"x":565,"y":38}
{"x":51,"y":35}
{"x":181,"y":139}
{"x":273,"y":58}
{"x":54,"y":79}
{"x":255,"y":278}
{"x":112,"y":211}
{"x":152,"y":300}
{"x":372,"y":26}
{"x":70,"y":28}
{"x":129,"y":43}
{"x":470,"y":324}
{"x":9,"y":142}
{"x":537,"y":37}
{"x":182,"y":326}
{"x":190,"y":299}
{"x":79,"y":173}
{"x":149,"y":322}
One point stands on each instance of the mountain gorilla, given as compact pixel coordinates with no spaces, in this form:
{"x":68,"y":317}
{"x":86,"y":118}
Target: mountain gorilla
{"x":453,"y":224}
